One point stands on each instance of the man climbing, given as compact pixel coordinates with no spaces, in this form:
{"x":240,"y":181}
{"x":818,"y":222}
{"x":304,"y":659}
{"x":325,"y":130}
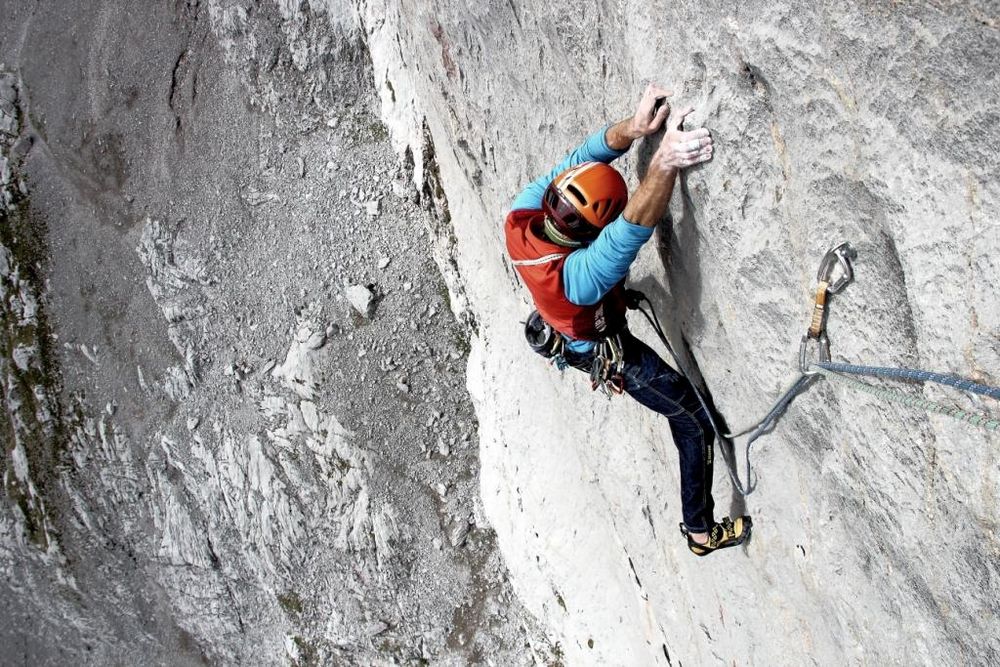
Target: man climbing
{"x":572,"y":235}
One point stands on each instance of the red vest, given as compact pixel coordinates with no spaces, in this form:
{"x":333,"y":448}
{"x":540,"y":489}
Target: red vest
{"x":540,"y":264}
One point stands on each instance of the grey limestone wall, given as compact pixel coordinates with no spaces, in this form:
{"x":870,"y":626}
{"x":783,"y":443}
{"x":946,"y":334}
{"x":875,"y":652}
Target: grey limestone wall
{"x":870,"y":122}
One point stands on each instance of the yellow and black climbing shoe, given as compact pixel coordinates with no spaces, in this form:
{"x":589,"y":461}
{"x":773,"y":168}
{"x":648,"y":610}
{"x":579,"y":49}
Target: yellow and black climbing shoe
{"x":727,"y":533}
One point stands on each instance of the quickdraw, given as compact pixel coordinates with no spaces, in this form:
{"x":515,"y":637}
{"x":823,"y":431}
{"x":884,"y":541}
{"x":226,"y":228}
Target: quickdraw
{"x":835,"y":273}
{"x":606,"y":369}
{"x":838,"y":257}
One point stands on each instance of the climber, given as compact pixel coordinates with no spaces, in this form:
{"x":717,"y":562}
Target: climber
{"x":572,"y":235}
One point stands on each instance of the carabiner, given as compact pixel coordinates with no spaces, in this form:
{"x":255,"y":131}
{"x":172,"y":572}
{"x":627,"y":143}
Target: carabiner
{"x":839,"y":256}
{"x":823,"y":348}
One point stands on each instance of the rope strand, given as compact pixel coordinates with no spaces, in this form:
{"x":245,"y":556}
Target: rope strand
{"x":833,"y":371}
{"x":914,"y":375}
{"x":985,"y":422}
{"x":734,"y":476}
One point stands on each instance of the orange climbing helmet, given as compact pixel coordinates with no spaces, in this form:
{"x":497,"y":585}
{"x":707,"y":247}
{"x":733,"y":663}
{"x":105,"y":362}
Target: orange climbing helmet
{"x":581,"y":201}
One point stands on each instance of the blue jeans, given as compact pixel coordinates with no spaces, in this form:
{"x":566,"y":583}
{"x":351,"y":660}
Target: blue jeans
{"x":649,"y":380}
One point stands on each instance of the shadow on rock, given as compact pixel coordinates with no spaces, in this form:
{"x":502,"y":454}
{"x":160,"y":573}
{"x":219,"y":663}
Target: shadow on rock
{"x":678,"y":306}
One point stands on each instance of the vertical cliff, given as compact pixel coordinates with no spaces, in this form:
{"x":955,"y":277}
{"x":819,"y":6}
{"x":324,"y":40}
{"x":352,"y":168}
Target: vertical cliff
{"x":876,"y":524}
{"x":265,"y":394}
{"x":234,"y":425}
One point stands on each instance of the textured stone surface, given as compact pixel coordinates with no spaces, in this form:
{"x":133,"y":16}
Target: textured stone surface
{"x":207,"y":455}
{"x":210,"y":455}
{"x":876,"y":526}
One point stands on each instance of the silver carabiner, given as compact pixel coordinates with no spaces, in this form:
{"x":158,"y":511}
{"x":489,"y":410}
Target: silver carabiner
{"x":823,"y":349}
{"x":837,"y":257}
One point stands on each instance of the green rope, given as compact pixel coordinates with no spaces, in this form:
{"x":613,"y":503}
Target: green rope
{"x":982,"y":421}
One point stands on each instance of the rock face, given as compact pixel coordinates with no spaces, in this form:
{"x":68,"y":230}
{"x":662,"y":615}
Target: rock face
{"x":876,"y":526}
{"x":211,"y":453}
{"x":214,"y":451}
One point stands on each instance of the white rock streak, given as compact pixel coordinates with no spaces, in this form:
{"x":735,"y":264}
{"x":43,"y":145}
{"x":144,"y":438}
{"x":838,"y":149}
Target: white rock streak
{"x":177,"y":291}
{"x":296,"y":372}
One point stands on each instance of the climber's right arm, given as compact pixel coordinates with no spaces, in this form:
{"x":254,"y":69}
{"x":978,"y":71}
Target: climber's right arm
{"x":594,"y":149}
{"x":678,"y":150}
{"x":589,"y":273}
{"x":605,"y":145}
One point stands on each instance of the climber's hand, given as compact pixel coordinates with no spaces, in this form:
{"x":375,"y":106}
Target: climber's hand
{"x":680,"y":149}
{"x":651,"y":112}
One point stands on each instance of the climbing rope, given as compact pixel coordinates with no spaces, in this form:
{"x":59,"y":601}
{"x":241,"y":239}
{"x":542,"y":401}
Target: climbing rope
{"x":985,"y":422}
{"x":763,"y":427}
{"x":654,"y":322}
{"x":915,"y":375}
{"x":837,"y":260}
{"x":770,"y":420}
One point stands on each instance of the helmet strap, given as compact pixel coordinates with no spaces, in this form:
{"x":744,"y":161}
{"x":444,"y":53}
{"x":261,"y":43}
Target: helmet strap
{"x":558,"y":237}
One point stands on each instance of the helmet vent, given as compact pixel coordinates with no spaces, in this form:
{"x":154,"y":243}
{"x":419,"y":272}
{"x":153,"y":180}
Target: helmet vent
{"x":575,"y":191}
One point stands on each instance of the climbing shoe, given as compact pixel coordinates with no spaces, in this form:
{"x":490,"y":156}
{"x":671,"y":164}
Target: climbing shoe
{"x":727,"y":533}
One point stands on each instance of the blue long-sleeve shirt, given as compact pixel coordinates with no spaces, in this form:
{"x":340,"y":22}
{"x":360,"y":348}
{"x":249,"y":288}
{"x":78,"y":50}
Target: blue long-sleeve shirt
{"x":590,"y":272}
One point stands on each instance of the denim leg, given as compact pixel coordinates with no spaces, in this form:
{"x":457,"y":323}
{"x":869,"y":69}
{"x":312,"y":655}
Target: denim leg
{"x":650,"y":381}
